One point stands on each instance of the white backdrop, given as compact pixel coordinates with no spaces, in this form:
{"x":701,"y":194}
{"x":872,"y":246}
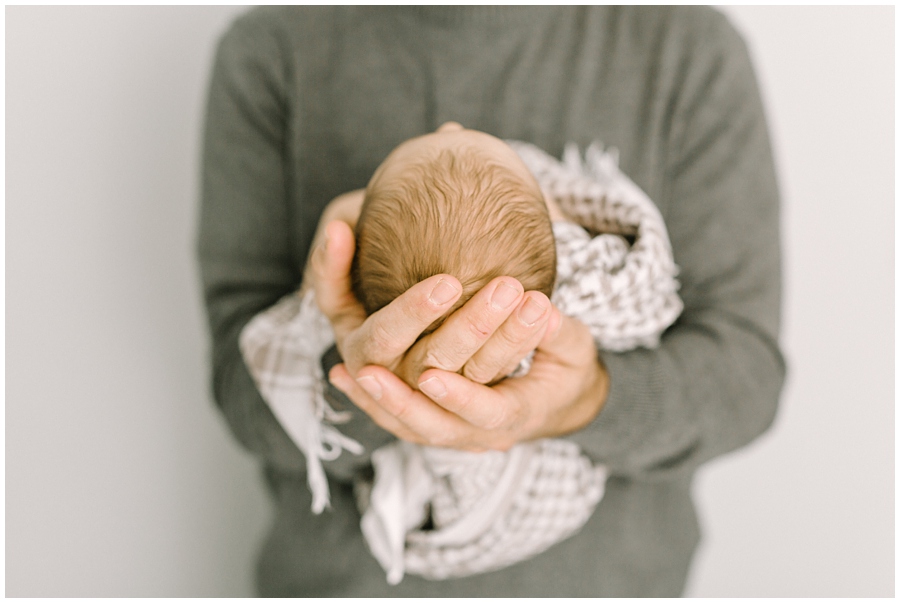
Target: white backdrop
{"x":121,"y":477}
{"x":808,"y":510}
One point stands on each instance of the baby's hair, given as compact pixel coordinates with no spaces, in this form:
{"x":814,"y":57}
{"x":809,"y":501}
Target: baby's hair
{"x":456,"y":213}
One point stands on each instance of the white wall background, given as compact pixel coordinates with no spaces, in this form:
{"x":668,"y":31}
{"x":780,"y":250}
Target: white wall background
{"x":808,"y":510}
{"x":121,"y":478}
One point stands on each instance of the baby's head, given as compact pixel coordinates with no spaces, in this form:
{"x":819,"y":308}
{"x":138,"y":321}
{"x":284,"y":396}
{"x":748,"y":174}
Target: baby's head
{"x":457,"y":202}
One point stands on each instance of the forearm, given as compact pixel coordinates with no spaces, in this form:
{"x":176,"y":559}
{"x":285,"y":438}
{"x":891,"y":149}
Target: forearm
{"x":246,"y":246}
{"x":249,"y":417}
{"x":713,"y":383}
{"x":710,"y":388}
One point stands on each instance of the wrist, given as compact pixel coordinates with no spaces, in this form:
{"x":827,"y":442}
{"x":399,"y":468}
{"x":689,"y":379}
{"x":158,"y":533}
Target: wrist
{"x":591,"y":381}
{"x":596,"y":393}
{"x":589,"y":400}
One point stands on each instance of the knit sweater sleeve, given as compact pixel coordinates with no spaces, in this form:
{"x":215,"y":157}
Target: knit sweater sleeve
{"x":245,"y":248}
{"x":713,"y":383}
{"x":247,"y":253}
{"x":243,"y":243}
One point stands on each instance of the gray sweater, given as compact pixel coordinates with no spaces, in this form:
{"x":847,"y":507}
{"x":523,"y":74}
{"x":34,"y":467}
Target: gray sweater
{"x":305,"y":102}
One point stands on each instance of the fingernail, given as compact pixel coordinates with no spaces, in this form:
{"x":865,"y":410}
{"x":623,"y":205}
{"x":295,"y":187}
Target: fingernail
{"x":504,"y":296}
{"x":531,"y":312}
{"x":371,"y":385}
{"x":433,"y":388}
{"x":443,"y":292}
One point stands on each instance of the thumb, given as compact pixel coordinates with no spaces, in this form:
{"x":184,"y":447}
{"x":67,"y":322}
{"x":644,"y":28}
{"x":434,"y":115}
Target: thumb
{"x":331,"y":263}
{"x":554,"y":326}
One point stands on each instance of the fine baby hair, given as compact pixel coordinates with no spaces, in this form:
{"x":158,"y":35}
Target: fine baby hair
{"x":457,"y":211}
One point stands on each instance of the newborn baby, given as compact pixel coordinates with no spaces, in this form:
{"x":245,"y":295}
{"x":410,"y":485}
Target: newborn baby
{"x":457,"y":202}
{"x":462,"y":202}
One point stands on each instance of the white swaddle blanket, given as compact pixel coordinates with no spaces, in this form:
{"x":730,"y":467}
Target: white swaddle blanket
{"x":486,"y":510}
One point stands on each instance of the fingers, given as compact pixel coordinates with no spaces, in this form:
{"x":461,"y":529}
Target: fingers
{"x":483,"y":408}
{"x":568,"y":368}
{"x":347,"y":207}
{"x":554,"y":325}
{"x":464,"y":331}
{"x":330,"y":266}
{"x":386,"y":335}
{"x":406,"y":413}
{"x":564,"y":391}
{"x":522,"y":331}
{"x":367,"y":401}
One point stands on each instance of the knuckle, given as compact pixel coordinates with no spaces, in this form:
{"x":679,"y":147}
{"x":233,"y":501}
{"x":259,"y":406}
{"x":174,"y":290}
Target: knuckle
{"x":408,"y":373}
{"x":505,"y":417}
{"x":506,"y":371}
{"x":400,"y":410}
{"x":480,"y":328}
{"x":437,"y":358}
{"x":510,"y":337}
{"x":479,"y":373}
{"x":378,"y":344}
{"x":423,"y":311}
{"x":496,"y":420}
{"x":458,"y":406}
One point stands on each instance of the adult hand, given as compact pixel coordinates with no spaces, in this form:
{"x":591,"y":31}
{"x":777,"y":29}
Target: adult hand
{"x":563,"y":392}
{"x":344,"y":208}
{"x":484,"y":339}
